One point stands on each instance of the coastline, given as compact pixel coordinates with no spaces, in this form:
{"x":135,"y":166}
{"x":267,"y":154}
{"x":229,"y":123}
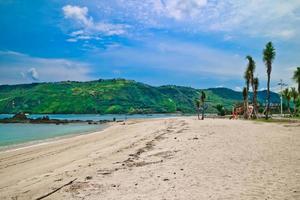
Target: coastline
{"x":178,"y":158}
{"x":81,"y":119}
{"x":24,"y":145}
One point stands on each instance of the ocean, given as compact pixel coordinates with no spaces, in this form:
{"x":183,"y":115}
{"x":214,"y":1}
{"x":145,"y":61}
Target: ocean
{"x":22,"y":134}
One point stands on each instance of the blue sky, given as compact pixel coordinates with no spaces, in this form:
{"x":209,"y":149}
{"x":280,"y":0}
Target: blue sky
{"x":198,"y":43}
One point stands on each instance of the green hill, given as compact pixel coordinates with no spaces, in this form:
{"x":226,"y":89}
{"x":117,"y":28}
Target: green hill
{"x":111,"y":96}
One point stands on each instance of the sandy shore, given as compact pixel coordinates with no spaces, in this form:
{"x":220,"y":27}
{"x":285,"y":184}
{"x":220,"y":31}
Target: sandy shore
{"x":175,"y":158}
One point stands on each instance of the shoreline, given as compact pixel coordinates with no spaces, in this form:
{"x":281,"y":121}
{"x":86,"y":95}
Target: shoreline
{"x":178,"y":158}
{"x":29,"y":144}
{"x":32,"y":143}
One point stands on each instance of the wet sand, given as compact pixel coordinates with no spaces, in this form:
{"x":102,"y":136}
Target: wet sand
{"x":172,"y":158}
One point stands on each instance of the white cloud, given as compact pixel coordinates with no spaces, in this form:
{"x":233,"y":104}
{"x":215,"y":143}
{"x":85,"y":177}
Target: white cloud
{"x":78,"y":13}
{"x":278,"y":19}
{"x":285,"y":34}
{"x":179,"y":9}
{"x":238,"y":88}
{"x":72,"y":40}
{"x":33,"y":74}
{"x":89,"y":29}
{"x":110,"y":29}
{"x":21,"y":68}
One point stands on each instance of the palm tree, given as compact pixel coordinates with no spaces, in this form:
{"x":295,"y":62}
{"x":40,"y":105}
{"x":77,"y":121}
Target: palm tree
{"x":250,"y":71}
{"x":251,"y":67}
{"x":245,"y":94}
{"x":294,"y":95}
{"x":296,"y":77}
{"x":255,"y":90}
{"x":221,"y":110}
{"x":287,"y":95}
{"x":268,"y":58}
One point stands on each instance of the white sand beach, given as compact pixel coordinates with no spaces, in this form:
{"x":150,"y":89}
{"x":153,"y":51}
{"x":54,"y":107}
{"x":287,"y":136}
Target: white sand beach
{"x":171,"y":158}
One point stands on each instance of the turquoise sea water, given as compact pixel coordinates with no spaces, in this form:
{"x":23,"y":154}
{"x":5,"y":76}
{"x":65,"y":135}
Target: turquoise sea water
{"x":94,"y":117}
{"x":12,"y":134}
{"x":15,"y":134}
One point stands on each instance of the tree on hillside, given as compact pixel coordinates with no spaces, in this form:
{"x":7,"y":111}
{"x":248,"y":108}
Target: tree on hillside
{"x":294,"y":95}
{"x":296,"y":78}
{"x":287,"y":95}
{"x":251,"y":69}
{"x":255,"y":90}
{"x":268,"y":58}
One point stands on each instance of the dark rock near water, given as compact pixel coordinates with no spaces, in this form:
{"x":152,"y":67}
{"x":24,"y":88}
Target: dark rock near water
{"x":22,"y":118}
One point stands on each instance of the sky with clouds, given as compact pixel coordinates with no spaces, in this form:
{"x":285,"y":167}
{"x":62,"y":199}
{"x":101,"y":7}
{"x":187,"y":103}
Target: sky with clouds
{"x":198,"y":43}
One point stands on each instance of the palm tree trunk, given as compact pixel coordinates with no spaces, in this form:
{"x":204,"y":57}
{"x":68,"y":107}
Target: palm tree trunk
{"x":295,"y":107}
{"x":268,"y":97}
{"x":246,"y":104}
{"x":289,"y":110}
{"x":244,"y":108}
{"x":198,"y":112}
{"x":254,"y":105}
{"x":254,"y":102}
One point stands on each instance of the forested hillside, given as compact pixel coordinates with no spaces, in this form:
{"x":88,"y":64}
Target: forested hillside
{"x":111,"y":96}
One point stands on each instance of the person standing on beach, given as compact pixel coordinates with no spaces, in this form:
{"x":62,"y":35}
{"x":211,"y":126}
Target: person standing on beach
{"x":203,"y":97}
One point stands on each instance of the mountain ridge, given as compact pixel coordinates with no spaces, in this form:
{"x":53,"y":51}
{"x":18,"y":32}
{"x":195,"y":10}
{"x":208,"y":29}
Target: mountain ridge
{"x":107,"y":96}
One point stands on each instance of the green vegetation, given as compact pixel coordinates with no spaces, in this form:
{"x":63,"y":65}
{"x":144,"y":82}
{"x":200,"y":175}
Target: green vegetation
{"x":221,"y":110}
{"x":113,"y":96}
{"x":291,"y":97}
{"x":289,"y":94}
{"x":294,"y":95}
{"x":291,"y":101}
{"x":268,"y":58}
{"x":286,"y":93}
{"x":296,"y":77}
{"x":249,"y":77}
{"x":252,"y":111}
